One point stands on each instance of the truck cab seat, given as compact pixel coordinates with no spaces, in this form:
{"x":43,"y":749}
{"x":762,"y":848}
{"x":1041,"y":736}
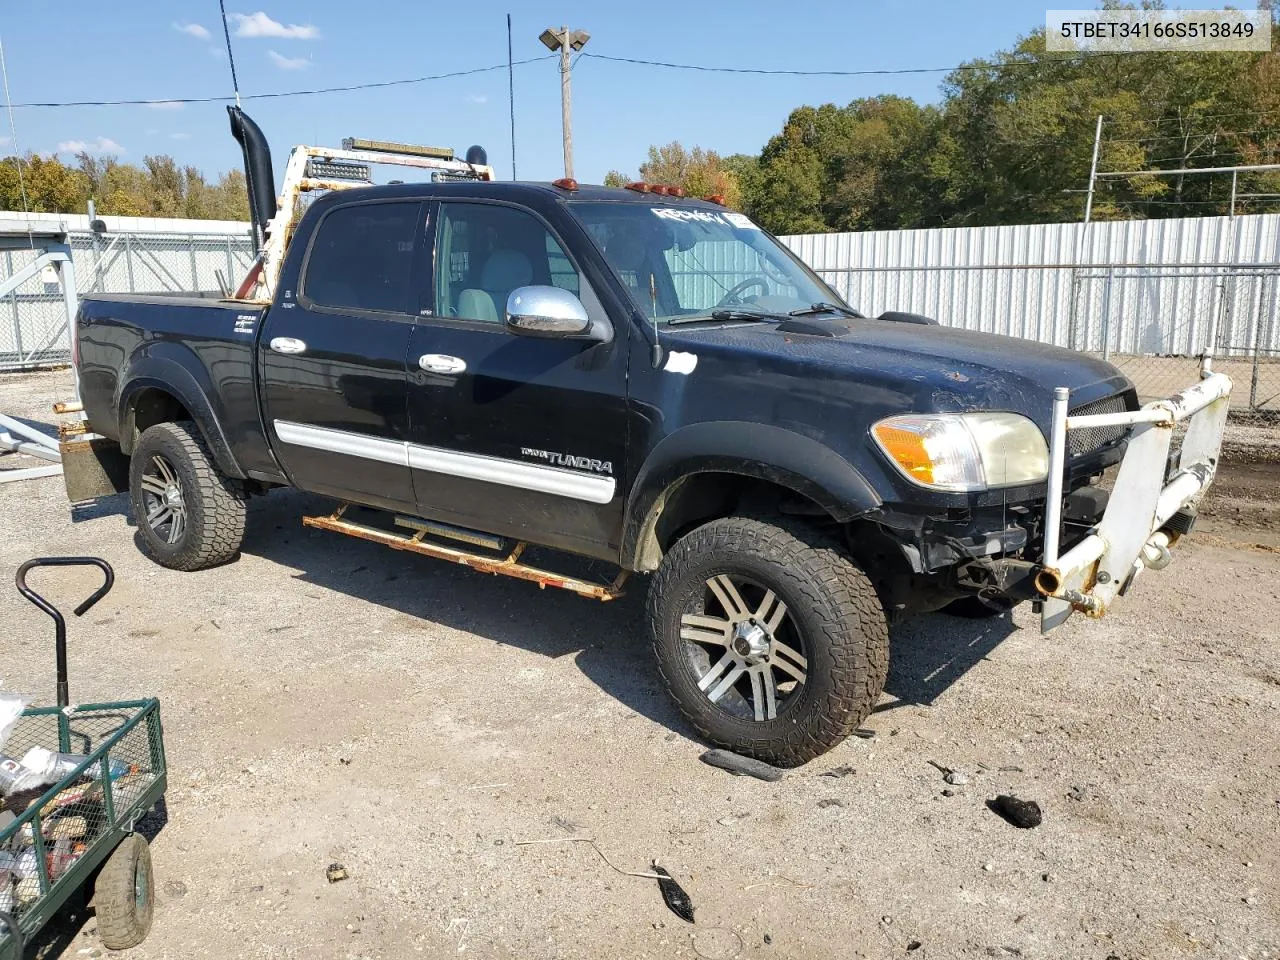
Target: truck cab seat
{"x":502,"y":272}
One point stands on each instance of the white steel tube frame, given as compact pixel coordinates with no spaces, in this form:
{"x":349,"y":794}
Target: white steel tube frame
{"x":296,"y":182}
{"x":1129,"y":537}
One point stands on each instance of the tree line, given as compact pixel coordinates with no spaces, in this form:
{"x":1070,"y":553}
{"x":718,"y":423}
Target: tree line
{"x":1010,"y":141}
{"x":158,"y":188}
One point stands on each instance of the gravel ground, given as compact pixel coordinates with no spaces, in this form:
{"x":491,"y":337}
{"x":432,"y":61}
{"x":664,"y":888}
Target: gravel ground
{"x":329,"y":700}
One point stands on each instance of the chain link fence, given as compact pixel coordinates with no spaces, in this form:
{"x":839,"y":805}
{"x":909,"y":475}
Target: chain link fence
{"x":33,"y":321}
{"x":1154,"y":322}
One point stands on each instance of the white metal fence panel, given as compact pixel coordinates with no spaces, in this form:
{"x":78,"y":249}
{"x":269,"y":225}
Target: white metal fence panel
{"x":33,"y":330}
{"x":1150,"y":295}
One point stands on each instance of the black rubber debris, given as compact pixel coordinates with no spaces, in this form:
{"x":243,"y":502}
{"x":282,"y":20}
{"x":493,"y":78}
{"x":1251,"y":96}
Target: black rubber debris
{"x":674,"y":896}
{"x":742,"y":766}
{"x":1021,"y":813}
{"x":838,"y":772}
{"x":864,"y":733}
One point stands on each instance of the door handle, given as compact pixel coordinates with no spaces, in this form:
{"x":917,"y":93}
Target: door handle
{"x":441,"y":363}
{"x":287,"y":345}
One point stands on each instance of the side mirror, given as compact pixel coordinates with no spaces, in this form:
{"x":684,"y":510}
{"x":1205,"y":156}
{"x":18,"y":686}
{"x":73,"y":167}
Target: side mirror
{"x":546,"y":312}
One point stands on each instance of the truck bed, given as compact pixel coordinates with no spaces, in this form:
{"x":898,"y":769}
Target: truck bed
{"x":201,"y":345}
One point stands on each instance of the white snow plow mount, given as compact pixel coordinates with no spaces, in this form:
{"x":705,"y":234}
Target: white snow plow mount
{"x":1148,"y":504}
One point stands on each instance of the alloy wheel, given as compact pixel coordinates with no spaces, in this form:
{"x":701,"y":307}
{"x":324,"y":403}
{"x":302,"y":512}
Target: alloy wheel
{"x":162,"y":499}
{"x":745,"y":647}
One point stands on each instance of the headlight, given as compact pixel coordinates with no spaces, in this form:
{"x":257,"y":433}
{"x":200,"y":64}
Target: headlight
{"x":965,"y":451}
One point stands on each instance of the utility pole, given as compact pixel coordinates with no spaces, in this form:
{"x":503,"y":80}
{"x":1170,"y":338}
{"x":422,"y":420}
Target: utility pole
{"x":566,"y":41}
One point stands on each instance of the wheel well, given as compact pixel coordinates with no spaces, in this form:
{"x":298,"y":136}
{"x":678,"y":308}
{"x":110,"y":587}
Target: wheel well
{"x":702,"y":497}
{"x":149,"y":407}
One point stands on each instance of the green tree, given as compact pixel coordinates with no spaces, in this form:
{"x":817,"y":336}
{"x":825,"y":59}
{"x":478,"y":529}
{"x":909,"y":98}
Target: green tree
{"x":49,"y":185}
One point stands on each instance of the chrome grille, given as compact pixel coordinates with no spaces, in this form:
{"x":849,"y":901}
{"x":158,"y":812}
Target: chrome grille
{"x":1089,"y":439}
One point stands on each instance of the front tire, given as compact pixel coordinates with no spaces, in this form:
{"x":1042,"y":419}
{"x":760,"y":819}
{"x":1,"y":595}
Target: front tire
{"x":773,"y":644}
{"x":189,"y":515}
{"x":124,"y":895}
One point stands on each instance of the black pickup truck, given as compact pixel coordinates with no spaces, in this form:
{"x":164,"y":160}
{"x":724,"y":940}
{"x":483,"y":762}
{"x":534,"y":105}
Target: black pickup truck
{"x":628,"y":375}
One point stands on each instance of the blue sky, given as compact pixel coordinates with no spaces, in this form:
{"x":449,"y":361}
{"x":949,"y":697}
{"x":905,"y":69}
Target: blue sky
{"x":174,"y":48}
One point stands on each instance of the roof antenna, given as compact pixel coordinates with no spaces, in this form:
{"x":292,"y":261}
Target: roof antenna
{"x":226,"y":32}
{"x":653,"y":299}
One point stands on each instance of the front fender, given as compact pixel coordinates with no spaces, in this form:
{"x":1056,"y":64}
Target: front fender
{"x":179,"y":373}
{"x":766,"y":452}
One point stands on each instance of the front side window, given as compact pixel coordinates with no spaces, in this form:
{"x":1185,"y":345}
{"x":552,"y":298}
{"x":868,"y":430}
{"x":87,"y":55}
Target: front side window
{"x":362,"y":258}
{"x":484,"y":251}
{"x":684,"y":261}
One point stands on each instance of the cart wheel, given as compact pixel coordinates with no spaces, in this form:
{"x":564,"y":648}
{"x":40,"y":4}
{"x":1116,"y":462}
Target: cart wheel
{"x":124,"y":895}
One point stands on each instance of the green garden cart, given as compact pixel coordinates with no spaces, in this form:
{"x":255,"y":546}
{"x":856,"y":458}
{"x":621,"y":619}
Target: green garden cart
{"x":80,"y":832}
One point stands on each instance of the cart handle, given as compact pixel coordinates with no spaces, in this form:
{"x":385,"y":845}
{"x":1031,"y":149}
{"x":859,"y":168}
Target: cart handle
{"x":59,"y":623}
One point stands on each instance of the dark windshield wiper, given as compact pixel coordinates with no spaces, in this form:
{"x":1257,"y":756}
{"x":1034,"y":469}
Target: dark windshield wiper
{"x":823,"y":307}
{"x":727,"y":314}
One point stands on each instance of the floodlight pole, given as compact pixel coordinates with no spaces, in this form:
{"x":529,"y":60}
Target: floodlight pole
{"x":565,"y":41}
{"x":566,"y":103}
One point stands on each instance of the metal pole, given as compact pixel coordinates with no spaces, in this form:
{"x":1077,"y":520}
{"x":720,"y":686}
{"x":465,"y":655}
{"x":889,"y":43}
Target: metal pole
{"x":67,"y":274}
{"x":566,"y":103}
{"x":511,"y":99}
{"x":17,"y":316}
{"x":1057,"y":465}
{"x":1257,"y":344}
{"x":1234,"y":174}
{"x":1093,"y":170}
{"x":1106,"y":314}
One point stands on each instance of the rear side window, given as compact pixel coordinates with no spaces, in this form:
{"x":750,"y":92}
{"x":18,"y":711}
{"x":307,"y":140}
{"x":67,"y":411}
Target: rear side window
{"x":362,"y":258}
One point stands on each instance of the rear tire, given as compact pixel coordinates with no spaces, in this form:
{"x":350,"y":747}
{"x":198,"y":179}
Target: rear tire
{"x":124,"y":895}
{"x":789,"y":612}
{"x":189,"y":515}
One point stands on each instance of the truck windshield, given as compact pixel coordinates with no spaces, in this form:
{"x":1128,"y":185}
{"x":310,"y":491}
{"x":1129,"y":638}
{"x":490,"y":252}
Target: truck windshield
{"x":681,"y":263}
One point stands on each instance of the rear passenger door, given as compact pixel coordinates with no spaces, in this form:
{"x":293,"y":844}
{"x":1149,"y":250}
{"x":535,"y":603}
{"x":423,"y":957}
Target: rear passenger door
{"x":514,"y":435}
{"x":333,"y":355}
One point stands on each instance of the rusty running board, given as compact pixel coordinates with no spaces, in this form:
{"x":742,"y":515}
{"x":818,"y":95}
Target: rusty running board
{"x":507,"y":566}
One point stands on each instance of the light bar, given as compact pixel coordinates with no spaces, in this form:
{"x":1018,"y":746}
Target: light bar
{"x":388,"y":146}
{"x":324,"y":169}
{"x":448,"y":176}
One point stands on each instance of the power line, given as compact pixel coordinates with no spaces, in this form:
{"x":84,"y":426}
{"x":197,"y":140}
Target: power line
{"x":762,"y":71}
{"x":283,"y":93}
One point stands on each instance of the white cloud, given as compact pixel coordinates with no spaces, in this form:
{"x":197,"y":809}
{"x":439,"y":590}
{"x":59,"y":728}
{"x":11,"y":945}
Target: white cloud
{"x":260,"y":25}
{"x":476,"y":98}
{"x":180,"y":135}
{"x":193,"y":30}
{"x":288,"y":63}
{"x":166,"y":105}
{"x":99,"y":145}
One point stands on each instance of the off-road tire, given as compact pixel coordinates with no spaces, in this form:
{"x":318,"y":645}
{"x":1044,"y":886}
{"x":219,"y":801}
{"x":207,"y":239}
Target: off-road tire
{"x":215,"y":504}
{"x":835,"y":608}
{"x":124,"y":895}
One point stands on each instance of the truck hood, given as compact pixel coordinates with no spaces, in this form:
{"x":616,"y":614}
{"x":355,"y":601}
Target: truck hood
{"x":907,"y":367}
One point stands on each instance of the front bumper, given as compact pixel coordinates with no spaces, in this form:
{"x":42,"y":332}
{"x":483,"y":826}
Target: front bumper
{"x":1132,"y":535}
